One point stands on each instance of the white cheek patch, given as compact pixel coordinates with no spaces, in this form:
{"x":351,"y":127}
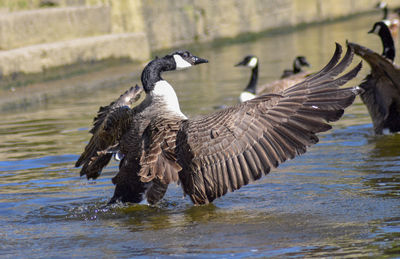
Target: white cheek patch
{"x":181,"y":63}
{"x":382,"y":5}
{"x":246,"y":96}
{"x":377,"y":29}
{"x":253,"y":62}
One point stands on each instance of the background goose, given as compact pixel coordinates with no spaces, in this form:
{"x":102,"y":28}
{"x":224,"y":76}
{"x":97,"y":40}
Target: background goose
{"x":291,"y":77}
{"x":391,"y":18}
{"x":250,"y":91}
{"x":382,"y":86}
{"x":280,"y":85}
{"x":298,"y":63}
{"x":225,"y":150}
{"x":381,"y":29}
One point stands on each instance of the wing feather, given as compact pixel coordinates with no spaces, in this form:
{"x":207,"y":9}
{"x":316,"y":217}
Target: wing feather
{"x":158,"y":153}
{"x":250,"y":139}
{"x":230,"y":148}
{"x":109,"y":125}
{"x":244,"y":168}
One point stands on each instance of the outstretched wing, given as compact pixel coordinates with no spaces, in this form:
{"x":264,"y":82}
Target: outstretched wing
{"x":278,"y":86}
{"x":382,"y":89}
{"x":223,"y":151}
{"x":111,"y":123}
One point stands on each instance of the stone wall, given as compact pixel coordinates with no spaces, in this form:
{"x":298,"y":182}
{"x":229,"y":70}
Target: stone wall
{"x":19,"y":29}
{"x":170,"y":23}
{"x":39,"y":34}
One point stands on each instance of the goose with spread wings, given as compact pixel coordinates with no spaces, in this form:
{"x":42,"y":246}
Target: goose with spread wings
{"x":223,"y":151}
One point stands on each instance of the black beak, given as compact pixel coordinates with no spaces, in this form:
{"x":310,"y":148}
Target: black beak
{"x":371,"y":31}
{"x":306,"y":63}
{"x":198,"y":60}
{"x":241,"y":63}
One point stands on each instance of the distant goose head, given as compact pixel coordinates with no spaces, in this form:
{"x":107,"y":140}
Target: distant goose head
{"x":383,"y":5}
{"x":248,"y":61}
{"x":382,"y":30}
{"x":299,"y":62}
{"x":177,"y":60}
{"x":250,"y":90}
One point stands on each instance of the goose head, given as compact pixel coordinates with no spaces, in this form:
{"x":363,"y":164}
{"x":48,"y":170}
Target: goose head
{"x":159,"y":92}
{"x":248,"y":61}
{"x":383,"y":5}
{"x":177,"y":60}
{"x":299,"y":62}
{"x":382,"y":30}
{"x":380,"y":27}
{"x":185,"y":59}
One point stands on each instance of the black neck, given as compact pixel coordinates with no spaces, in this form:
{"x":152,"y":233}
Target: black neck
{"x":152,"y":72}
{"x":296,"y":66}
{"x":251,"y":86}
{"x":387,"y":42}
{"x":385,"y":12}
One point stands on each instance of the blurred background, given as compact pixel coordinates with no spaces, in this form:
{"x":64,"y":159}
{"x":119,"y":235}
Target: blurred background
{"x":62,"y":59}
{"x":42,"y":40}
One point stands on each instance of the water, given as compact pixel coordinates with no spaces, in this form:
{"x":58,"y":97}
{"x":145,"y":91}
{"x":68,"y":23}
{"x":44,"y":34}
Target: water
{"x":340,"y":199}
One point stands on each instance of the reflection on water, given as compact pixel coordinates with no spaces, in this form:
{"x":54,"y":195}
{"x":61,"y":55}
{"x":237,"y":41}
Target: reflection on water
{"x":339,"y":199}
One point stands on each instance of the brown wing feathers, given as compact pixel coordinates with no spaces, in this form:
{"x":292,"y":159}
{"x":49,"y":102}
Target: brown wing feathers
{"x":230,"y":148}
{"x":251,"y":138}
{"x":109,"y":125}
{"x":158,"y":159}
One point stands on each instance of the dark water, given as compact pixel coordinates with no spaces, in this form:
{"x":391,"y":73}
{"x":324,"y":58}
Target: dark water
{"x":341,"y":198}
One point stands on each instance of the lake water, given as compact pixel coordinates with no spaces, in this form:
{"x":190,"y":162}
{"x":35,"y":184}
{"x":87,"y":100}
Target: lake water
{"x":341,"y":198}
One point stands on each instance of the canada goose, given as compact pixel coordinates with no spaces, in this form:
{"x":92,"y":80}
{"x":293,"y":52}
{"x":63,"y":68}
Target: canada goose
{"x":289,"y":78}
{"x":381,"y":87}
{"x":223,"y":151}
{"x":381,"y":29}
{"x":250,"y":91}
{"x":298,"y":63}
{"x":391,"y":18}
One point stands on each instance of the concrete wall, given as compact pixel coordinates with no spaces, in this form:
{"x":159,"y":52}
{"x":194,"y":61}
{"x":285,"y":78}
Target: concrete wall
{"x":79,"y":30}
{"x":171,"y":22}
{"x":39,"y":58}
{"x":18,"y":29}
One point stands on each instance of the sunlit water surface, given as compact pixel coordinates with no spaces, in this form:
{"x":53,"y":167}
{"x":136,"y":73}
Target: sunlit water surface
{"x":341,"y":198}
